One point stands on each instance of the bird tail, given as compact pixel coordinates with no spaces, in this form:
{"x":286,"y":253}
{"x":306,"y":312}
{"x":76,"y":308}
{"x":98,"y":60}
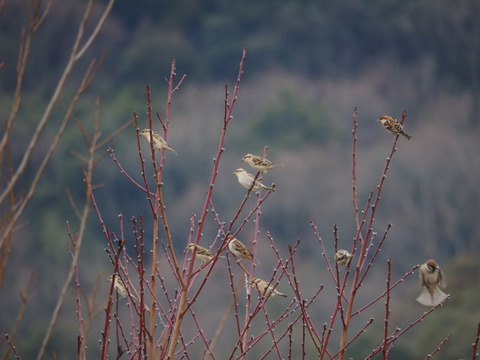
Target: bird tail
{"x":407,"y":136}
{"x":169,"y":148}
{"x":431,"y":299}
{"x":280,"y":294}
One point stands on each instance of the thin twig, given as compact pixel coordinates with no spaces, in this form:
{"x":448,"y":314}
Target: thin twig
{"x":475,"y":344}
{"x":88,"y":174}
{"x":363,"y":249}
{"x":25,"y":296}
{"x":398,"y":334}
{"x":14,"y":349}
{"x":184,"y":305}
{"x":437,"y":349}
{"x":75,"y":55}
{"x":387,"y":310}
{"x":354,"y":168}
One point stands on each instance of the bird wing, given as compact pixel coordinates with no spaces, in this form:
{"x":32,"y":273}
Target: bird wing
{"x":442,"y":280}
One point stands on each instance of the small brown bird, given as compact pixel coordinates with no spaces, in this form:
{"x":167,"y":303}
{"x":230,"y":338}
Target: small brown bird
{"x":431,"y":278}
{"x":158,"y":142}
{"x":202,"y":253}
{"x":120,"y":287}
{"x":265,"y":289}
{"x":342,"y":257}
{"x":246,"y":180}
{"x":259,"y":163}
{"x":239,"y":249}
{"x":393,"y":126}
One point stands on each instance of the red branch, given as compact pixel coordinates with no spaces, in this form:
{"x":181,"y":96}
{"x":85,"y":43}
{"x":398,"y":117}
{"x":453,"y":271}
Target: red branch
{"x":475,"y":344}
{"x":437,"y":349}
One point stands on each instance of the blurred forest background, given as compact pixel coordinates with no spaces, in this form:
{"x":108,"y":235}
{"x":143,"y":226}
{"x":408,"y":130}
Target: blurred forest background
{"x":309,"y":63}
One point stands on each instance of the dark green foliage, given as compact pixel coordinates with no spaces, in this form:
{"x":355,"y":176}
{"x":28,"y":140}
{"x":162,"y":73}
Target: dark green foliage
{"x":312,"y":37}
{"x":288,"y":121}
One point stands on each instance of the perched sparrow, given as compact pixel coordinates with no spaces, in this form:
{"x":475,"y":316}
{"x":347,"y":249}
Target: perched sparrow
{"x":158,"y":142}
{"x":202,"y":253}
{"x":239,"y":249}
{"x":265,"y":289}
{"x":393,"y":126}
{"x":246,"y":180}
{"x":431,"y":278}
{"x":342,"y":257}
{"x":259,"y":163}
{"x":120,"y":287}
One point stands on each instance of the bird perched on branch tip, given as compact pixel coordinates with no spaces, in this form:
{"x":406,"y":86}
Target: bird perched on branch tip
{"x":393,"y":126}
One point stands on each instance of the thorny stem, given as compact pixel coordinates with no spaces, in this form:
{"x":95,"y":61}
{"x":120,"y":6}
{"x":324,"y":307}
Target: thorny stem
{"x":253,"y":340}
{"x":81,"y":346}
{"x":23,"y":52}
{"x":108,"y":311}
{"x":336,"y":277}
{"x":212,"y":262}
{"x":398,"y":334}
{"x":307,"y":321}
{"x":88,"y":174}
{"x":25,"y":296}
{"x":385,"y":292}
{"x":252,"y":269}
{"x":85,"y":83}
{"x":377,"y":251}
{"x":370,"y":322}
{"x":226,"y":314}
{"x":157,"y":206}
{"x":270,"y":327}
{"x":362,"y":255}
{"x":184,"y":290}
{"x":260,"y":306}
{"x":387,"y":310}
{"x":475,"y":344}
{"x":339,"y":306}
{"x":75,"y":55}
{"x":340,"y":291}
{"x":14,"y":349}
{"x":317,"y":341}
{"x":158,"y":180}
{"x":437,"y":349}
{"x":354,"y":168}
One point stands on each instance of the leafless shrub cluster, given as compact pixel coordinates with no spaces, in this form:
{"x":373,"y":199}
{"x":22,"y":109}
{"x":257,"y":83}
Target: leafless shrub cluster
{"x":163,"y":320}
{"x":162,"y":282}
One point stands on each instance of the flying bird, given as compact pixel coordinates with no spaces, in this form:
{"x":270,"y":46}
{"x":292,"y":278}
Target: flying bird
{"x":431,"y":279}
